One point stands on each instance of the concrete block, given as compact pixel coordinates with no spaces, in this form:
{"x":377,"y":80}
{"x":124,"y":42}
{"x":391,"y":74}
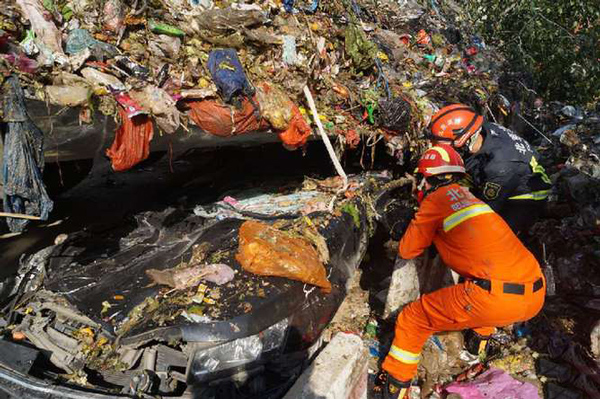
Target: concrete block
{"x":339,"y":372}
{"x":404,"y":286}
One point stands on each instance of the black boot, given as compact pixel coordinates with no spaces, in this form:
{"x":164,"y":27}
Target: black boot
{"x":477,"y":345}
{"x":395,"y":389}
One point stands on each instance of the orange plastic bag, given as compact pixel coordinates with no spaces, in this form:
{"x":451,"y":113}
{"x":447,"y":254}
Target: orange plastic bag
{"x":132,"y":141}
{"x":224,"y":120}
{"x":267,"y":251}
{"x":296,"y":135}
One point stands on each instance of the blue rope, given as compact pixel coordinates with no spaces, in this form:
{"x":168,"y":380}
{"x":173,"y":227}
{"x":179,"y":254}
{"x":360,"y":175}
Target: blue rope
{"x":382,"y":78}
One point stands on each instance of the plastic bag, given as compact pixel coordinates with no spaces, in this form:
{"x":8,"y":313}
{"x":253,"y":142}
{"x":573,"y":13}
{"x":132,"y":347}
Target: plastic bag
{"x":181,"y":279}
{"x":225,"y":120}
{"x":24,"y":190}
{"x":45,"y":30}
{"x":266,"y":251}
{"x":228,"y":19}
{"x":132,"y":141}
{"x":228,"y":74}
{"x":114,"y":15}
{"x":494,"y":383}
{"x":67,"y":96}
{"x":276,"y":107}
{"x":100,"y":80}
{"x":162,"y":106}
{"x":296,"y":135}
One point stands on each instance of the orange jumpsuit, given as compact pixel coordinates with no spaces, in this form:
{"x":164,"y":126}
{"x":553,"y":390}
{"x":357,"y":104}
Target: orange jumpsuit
{"x":476,"y":243}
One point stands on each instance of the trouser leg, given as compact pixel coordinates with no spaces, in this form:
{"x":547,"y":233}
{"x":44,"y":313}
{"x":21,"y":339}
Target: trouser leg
{"x":442,"y":310}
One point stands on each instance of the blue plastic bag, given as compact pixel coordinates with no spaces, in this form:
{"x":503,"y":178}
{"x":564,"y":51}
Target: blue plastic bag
{"x":288,"y":5}
{"x":24,"y":190}
{"x":228,"y":74}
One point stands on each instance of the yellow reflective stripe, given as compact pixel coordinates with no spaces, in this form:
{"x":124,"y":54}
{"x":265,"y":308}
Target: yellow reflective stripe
{"x":404,"y":356}
{"x":465,"y":214}
{"x":539,"y":169}
{"x":536,"y":195}
{"x":442,"y":151}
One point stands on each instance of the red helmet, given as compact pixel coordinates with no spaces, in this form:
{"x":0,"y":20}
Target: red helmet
{"x":455,"y":123}
{"x":440,"y":159}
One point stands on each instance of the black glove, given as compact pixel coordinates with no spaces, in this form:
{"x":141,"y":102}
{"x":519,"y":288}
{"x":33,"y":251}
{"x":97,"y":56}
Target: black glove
{"x":476,"y":344}
{"x":396,"y":218}
{"x":395,"y":389}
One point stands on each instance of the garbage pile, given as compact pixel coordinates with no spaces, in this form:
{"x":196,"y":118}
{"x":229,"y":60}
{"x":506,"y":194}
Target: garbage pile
{"x":196,"y":283}
{"x":160,"y":66}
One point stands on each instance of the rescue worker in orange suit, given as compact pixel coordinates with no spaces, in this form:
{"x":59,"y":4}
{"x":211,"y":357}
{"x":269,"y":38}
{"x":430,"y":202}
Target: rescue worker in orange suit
{"x":502,"y":166}
{"x":502,"y":282}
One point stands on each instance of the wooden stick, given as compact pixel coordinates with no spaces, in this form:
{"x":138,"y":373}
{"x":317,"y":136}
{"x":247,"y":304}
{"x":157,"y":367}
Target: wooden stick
{"x":336,"y":162}
{"x":19,"y":216}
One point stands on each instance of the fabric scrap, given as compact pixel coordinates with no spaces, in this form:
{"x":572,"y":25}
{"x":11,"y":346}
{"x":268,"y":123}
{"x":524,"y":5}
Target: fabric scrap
{"x":228,"y":74}
{"x":24,"y":190}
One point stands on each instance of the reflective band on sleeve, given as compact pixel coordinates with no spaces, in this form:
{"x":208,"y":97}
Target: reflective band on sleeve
{"x":404,"y":356}
{"x":465,"y":214}
{"x":536,"y":195}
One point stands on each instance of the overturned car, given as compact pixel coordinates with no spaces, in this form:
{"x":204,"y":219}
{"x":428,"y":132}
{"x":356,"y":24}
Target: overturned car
{"x":226,"y":300}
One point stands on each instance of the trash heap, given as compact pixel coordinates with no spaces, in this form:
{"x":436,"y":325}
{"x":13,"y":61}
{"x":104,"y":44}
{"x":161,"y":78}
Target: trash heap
{"x":160,"y":66}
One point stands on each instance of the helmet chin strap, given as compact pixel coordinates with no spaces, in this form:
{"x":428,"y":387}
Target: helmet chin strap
{"x":473,"y":140}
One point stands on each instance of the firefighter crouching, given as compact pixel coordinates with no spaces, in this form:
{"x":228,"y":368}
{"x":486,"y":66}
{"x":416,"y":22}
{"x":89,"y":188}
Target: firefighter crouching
{"x":503,"y":282}
{"x":503,"y":167}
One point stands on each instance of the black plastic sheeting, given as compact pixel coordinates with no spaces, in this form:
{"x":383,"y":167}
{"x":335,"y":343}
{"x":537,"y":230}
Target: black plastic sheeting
{"x":24,"y":190}
{"x":94,"y":266}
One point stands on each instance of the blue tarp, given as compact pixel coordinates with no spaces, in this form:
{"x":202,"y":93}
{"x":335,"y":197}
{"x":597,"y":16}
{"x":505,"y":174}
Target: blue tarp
{"x":228,"y":74}
{"x":24,"y":190}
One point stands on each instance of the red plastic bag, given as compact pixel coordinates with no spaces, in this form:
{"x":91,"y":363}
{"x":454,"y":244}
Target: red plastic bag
{"x":225,"y":120}
{"x":279,"y":110}
{"x":132,"y":141}
{"x":267,"y":251}
{"x":296,"y":135}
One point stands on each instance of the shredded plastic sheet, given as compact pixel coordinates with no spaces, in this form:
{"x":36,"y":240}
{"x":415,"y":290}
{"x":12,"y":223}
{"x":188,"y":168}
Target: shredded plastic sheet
{"x":264,"y":205}
{"x":228,"y":74}
{"x":132,"y":141}
{"x":267,"y":251}
{"x":24,"y":190}
{"x":225,"y":120}
{"x":240,"y":351}
{"x":494,"y":383}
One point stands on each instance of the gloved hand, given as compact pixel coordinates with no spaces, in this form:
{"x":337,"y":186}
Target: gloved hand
{"x":396,"y":218}
{"x":395,"y":389}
